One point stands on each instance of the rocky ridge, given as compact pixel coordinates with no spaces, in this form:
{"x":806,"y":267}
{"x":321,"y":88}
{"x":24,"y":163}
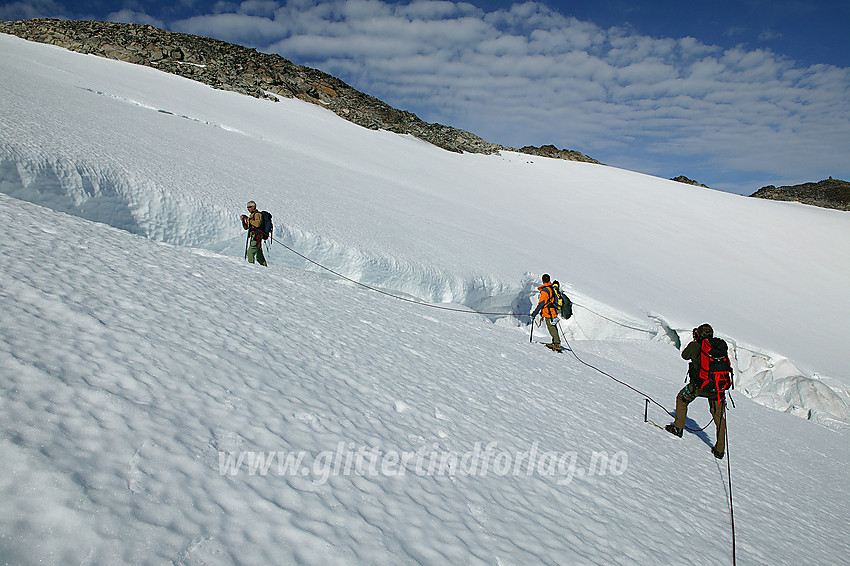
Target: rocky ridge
{"x":683,"y":179}
{"x":232,"y":67}
{"x":829,"y":193}
{"x":554,"y":152}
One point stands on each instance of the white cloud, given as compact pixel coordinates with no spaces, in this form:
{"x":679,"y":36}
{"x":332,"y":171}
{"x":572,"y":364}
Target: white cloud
{"x":133,"y":17}
{"x":433,"y":10}
{"x":13,"y":11}
{"x":263,"y":8}
{"x":236,"y":28}
{"x":769,"y":34}
{"x":527,"y":74}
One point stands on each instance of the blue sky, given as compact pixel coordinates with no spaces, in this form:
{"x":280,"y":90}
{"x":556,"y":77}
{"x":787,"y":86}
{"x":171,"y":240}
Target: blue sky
{"x":734,"y":94}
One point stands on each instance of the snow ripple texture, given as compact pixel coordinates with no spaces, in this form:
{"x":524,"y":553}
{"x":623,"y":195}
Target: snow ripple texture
{"x":130,"y":366}
{"x":174,"y":161}
{"x":141,"y":357}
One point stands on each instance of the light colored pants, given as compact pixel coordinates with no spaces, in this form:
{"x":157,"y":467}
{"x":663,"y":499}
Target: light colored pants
{"x":717,"y":410}
{"x":553,"y":329}
{"x":255,"y":251}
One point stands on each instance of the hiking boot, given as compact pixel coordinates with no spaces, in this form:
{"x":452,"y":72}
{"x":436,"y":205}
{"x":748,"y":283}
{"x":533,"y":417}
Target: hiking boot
{"x":718,"y":455}
{"x":672,"y":429}
{"x":555,"y":347}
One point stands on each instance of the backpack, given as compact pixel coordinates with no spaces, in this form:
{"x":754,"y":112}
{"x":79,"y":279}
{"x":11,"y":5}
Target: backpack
{"x":266,"y":227}
{"x":715,"y":370}
{"x":562,"y":302}
{"x":566,"y":306}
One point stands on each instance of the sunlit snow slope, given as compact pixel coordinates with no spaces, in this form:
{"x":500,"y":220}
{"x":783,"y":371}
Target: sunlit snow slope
{"x":175,"y":161}
{"x":153,"y":385}
{"x":132,"y":370}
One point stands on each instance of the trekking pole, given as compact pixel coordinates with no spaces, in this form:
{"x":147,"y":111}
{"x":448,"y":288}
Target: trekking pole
{"x":646,"y":411}
{"x":531,"y":338}
{"x":248,"y":239}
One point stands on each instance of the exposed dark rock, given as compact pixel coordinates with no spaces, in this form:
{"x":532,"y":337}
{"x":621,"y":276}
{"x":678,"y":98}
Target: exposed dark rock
{"x":552,"y":151}
{"x":683,"y":179}
{"x":829,"y":193}
{"x":232,"y":67}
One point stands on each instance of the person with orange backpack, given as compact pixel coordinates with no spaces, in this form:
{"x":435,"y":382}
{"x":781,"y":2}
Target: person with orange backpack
{"x":259,"y":229}
{"x":710,"y":374}
{"x":548,"y":309}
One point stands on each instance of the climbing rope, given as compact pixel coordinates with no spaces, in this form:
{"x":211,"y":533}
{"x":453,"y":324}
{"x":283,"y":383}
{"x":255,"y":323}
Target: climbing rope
{"x":617,"y":322}
{"x":621,"y":382}
{"x":399,"y":297}
{"x":454,"y":309}
{"x":729,"y":476}
{"x":648,"y":399}
{"x":569,"y":347}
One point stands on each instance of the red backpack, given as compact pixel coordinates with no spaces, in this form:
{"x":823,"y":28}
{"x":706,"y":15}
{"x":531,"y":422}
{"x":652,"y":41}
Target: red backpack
{"x":715,"y":370}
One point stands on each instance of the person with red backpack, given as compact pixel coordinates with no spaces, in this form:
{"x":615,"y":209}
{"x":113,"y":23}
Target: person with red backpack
{"x":547,"y":307}
{"x":255,"y":225}
{"x":710,"y":374}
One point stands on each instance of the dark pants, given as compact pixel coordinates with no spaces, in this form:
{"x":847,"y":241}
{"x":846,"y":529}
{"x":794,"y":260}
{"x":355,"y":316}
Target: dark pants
{"x":718,"y":412}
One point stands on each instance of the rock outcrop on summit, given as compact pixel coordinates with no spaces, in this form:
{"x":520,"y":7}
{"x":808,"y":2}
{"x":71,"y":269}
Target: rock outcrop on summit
{"x":554,"y":152}
{"x":232,"y":67}
{"x":687,"y":181}
{"x":829,"y":193}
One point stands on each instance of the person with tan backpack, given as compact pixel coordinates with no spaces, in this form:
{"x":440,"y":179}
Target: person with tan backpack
{"x":259,"y":229}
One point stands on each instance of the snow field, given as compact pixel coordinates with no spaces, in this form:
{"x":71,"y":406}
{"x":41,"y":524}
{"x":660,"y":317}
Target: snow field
{"x":139,"y":353}
{"x":135,"y":364}
{"x":174,"y":160}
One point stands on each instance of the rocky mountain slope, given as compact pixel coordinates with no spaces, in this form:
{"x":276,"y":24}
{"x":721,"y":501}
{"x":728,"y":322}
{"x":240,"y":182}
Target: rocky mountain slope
{"x":236,"y":68}
{"x":554,"y":152}
{"x":829,"y":193}
{"x":687,"y":181}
